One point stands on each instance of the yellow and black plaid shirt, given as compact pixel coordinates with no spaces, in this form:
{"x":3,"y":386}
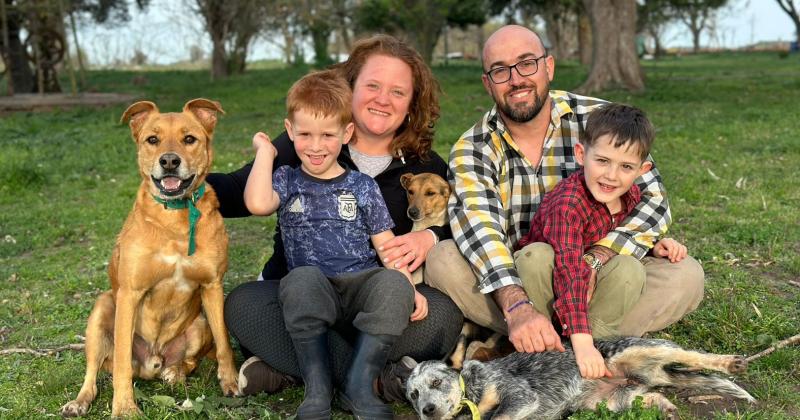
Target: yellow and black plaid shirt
{"x":497,"y":190}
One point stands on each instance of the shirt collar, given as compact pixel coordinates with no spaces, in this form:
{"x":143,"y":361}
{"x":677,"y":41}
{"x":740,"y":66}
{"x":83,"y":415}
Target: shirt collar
{"x":560,"y":109}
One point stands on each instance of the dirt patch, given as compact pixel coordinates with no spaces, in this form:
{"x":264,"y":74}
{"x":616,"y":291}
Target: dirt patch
{"x":709,"y":406}
{"x":48,"y":102}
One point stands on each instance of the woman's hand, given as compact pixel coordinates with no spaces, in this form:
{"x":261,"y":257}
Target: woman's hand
{"x":409,"y":250}
{"x":420,"y":307}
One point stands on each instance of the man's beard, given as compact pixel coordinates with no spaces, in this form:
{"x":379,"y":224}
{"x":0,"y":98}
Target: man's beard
{"x":523,"y":114}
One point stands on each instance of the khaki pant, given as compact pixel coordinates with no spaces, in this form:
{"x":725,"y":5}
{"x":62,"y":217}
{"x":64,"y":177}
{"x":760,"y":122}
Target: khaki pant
{"x":625,"y":302}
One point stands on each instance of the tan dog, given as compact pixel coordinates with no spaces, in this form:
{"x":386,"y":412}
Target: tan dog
{"x":164,"y":310}
{"x":427,"y":204}
{"x":427,"y":199}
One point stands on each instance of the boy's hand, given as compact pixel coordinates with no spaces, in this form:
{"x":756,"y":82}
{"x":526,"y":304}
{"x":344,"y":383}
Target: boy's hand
{"x":589,"y":360}
{"x":261,"y":140}
{"x":420,"y":307}
{"x":670,"y":248}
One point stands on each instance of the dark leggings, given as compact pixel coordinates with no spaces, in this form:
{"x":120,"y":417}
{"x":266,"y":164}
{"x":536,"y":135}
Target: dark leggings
{"x":254,"y":317}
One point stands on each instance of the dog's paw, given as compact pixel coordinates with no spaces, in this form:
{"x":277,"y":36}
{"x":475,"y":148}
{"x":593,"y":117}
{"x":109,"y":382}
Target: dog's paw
{"x":667,"y":408}
{"x":125,"y":408}
{"x":737,"y":365}
{"x":228,"y":381}
{"x":173,"y":375}
{"x":230,"y":389}
{"x":74,"y":408}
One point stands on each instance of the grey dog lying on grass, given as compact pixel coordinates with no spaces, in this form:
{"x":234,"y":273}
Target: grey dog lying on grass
{"x":549,"y":385}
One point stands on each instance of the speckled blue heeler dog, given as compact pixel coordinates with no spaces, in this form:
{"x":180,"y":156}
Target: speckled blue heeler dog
{"x":549,"y":385}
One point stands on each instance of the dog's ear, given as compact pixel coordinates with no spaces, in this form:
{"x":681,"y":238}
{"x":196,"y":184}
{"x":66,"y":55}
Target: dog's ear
{"x":405,"y":179}
{"x":137,"y":114}
{"x":205,"y":111}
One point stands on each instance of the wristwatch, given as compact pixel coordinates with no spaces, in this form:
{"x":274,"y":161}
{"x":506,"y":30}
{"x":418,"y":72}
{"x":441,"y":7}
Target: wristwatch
{"x":593,"y":261}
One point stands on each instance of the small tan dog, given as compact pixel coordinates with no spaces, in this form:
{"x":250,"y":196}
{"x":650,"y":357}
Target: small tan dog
{"x":164,"y":310}
{"x":427,"y":204}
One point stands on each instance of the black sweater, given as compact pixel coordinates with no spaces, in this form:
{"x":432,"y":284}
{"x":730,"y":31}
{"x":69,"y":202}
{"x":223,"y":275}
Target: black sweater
{"x":230,"y":190}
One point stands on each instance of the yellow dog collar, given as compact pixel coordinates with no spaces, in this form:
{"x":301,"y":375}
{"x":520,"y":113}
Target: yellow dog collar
{"x":473,"y":408}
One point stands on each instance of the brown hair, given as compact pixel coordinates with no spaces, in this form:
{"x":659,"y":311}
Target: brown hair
{"x":322,"y":94}
{"x":626,"y":125}
{"x":415,"y":134}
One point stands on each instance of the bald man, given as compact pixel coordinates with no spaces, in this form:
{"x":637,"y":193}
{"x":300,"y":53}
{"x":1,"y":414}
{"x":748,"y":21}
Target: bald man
{"x":501,"y":169}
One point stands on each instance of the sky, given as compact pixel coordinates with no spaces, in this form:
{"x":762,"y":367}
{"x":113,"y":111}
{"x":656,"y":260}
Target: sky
{"x":168,"y":30}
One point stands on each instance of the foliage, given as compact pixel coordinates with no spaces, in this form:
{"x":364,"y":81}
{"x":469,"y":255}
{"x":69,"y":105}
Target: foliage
{"x":726,"y":146}
{"x":420,"y":21}
{"x":106,"y":11}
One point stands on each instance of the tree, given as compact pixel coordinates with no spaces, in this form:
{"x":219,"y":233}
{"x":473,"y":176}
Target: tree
{"x":420,"y":21}
{"x":42,"y":23}
{"x":561,"y":19}
{"x":696,"y":14}
{"x":282,"y":20}
{"x":652,"y":19}
{"x":13,"y":50}
{"x":614,"y":58}
{"x":790,"y":9}
{"x":232,"y":25}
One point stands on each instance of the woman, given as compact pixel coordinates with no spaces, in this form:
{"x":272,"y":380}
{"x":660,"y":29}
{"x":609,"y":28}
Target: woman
{"x":395,"y":106}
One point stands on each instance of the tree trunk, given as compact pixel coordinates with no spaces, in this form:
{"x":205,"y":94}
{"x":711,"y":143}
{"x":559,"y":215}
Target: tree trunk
{"x":695,"y":39}
{"x":614,"y":59}
{"x":219,"y":66}
{"x":585,"y":39}
{"x":22,"y":75}
{"x":320,"y":36}
{"x":560,"y":24}
{"x":658,"y":47}
{"x":425,"y":33}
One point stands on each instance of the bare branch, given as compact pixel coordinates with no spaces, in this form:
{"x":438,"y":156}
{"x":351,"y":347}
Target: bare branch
{"x":787,"y":342}
{"x":43,"y":352}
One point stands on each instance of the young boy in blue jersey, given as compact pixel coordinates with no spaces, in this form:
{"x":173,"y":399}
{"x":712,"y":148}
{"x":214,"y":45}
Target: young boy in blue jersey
{"x":332,"y":222}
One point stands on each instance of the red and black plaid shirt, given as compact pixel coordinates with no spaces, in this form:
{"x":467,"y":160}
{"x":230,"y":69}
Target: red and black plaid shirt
{"x":571,"y":220}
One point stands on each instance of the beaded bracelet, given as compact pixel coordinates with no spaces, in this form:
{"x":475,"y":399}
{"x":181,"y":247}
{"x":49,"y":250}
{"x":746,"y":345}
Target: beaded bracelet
{"x":518,"y":304}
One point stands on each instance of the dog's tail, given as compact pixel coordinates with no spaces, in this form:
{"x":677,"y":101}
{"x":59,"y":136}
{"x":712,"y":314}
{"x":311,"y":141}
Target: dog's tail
{"x":702,"y":381}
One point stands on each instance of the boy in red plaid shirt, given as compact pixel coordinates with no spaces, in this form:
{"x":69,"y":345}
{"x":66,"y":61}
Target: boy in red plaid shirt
{"x":580,"y":211}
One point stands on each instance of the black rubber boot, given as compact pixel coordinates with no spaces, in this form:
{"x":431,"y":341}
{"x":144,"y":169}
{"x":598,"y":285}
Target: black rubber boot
{"x":369,"y":357}
{"x":315,"y":366}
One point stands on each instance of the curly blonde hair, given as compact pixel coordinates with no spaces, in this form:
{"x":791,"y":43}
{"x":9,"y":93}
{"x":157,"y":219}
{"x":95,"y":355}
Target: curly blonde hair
{"x":414,"y":137}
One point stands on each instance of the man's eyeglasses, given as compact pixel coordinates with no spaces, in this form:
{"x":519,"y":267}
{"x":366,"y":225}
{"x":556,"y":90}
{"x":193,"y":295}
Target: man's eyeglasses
{"x":524,"y":68}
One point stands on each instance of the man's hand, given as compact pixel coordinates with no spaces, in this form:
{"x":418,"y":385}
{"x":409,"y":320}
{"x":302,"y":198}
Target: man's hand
{"x":531,"y":332}
{"x":671,"y":249}
{"x":528,"y":330}
{"x":589,"y":360}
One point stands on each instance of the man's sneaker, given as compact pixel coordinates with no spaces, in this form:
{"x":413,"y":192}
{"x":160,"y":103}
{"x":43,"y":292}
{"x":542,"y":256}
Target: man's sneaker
{"x":256,"y":376}
{"x":391,"y":382}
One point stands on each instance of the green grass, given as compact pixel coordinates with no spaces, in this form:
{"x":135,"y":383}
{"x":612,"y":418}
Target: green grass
{"x":727,"y":147}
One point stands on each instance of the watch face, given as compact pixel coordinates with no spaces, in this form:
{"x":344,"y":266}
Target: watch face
{"x":592,"y":261}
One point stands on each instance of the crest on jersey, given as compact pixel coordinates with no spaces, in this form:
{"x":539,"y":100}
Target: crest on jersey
{"x":348,"y":206}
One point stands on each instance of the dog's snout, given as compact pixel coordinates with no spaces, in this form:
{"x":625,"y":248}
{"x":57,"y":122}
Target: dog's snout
{"x":429,"y":409}
{"x":413,"y":213}
{"x":169,"y":161}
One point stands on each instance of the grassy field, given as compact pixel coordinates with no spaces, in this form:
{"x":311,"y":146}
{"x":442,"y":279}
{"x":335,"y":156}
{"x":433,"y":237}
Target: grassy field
{"x":727,"y":146}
